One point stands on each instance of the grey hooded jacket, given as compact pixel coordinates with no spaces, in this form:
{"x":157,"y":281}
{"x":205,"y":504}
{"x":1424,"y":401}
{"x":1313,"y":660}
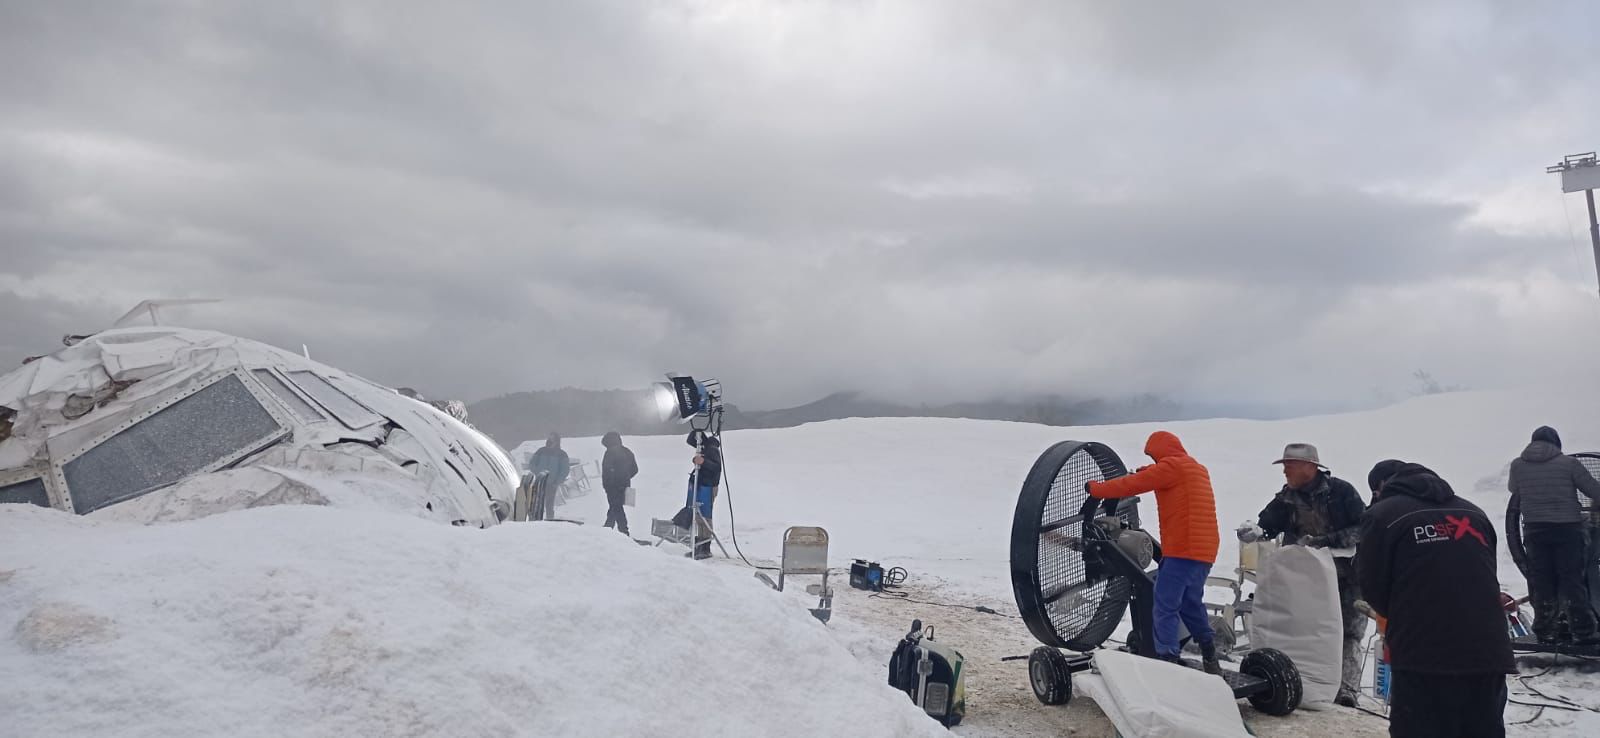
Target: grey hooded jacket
{"x":1546,"y":484}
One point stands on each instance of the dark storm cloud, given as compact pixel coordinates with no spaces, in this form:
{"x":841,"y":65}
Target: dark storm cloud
{"x":913,"y":198}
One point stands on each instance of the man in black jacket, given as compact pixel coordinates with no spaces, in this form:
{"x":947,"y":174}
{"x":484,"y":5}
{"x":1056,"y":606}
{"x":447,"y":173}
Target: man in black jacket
{"x":703,"y":484}
{"x":617,"y":469}
{"x":1315,"y":508}
{"x":1545,"y":485}
{"x":1427,"y":564}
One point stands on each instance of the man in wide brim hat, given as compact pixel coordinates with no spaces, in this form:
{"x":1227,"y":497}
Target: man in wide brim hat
{"x":1315,"y":508}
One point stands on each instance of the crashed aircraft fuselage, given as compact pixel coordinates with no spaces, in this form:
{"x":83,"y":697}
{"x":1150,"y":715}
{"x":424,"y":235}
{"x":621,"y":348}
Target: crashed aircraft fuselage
{"x":165,"y":423}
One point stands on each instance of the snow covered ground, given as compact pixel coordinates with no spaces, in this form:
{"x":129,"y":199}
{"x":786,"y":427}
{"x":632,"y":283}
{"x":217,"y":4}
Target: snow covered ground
{"x":340,"y":621}
{"x":936,"y":496}
{"x":315,"y":621}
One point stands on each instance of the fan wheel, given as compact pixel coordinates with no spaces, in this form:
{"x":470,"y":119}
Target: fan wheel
{"x":1278,"y":671}
{"x":1050,"y":676}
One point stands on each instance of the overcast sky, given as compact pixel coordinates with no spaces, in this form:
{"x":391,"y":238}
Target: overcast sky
{"x":1241,"y":202}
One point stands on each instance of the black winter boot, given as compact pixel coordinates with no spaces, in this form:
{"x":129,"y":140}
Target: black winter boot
{"x":1545,"y":626}
{"x":1208,"y":658}
{"x":1581,"y":623}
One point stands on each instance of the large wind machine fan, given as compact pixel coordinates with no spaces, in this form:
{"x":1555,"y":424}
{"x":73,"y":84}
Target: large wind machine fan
{"x":1075,"y":576}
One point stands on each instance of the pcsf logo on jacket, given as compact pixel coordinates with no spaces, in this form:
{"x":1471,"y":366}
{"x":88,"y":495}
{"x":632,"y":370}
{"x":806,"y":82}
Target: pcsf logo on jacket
{"x":1452,"y":529}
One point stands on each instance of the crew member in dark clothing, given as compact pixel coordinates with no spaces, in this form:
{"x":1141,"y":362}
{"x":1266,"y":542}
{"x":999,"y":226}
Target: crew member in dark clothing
{"x":1427,"y":564}
{"x":1315,"y":508}
{"x":708,"y":474}
{"x":549,"y":467}
{"x":1382,"y":472}
{"x":617,"y":469}
{"x":1545,"y":485}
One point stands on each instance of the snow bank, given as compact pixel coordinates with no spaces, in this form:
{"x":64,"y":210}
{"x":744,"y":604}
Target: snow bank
{"x":317,"y":621}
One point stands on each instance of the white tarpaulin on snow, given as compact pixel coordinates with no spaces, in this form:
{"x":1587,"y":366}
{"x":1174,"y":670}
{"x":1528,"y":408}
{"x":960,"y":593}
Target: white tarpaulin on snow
{"x":1151,"y":698}
{"x":1297,"y":612}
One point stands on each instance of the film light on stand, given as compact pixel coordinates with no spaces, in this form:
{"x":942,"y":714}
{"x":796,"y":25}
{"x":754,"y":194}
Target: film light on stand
{"x":685,"y":398}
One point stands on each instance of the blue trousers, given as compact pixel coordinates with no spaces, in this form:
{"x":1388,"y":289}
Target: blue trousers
{"x":1180,"y":592}
{"x":703,"y":497}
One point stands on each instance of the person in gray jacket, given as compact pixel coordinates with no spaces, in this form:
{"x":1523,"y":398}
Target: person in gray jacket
{"x":1545,"y":485}
{"x":549,"y":467}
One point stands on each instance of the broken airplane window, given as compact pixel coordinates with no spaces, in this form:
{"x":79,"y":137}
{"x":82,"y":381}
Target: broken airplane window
{"x":207,"y":430}
{"x":353,"y":414}
{"x":280,"y":389}
{"x":28,"y":492}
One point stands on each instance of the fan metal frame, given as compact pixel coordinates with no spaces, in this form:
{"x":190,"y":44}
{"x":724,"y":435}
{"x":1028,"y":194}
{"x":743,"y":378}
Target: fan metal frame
{"x":1048,"y":575}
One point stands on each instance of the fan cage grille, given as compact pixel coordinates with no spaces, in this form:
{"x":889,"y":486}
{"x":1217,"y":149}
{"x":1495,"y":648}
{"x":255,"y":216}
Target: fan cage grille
{"x":1085,"y":616}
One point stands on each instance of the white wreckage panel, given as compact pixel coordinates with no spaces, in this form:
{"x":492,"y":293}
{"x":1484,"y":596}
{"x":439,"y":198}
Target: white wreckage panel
{"x":165,"y":423}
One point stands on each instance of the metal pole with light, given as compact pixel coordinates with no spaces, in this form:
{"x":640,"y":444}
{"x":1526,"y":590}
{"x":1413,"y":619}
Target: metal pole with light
{"x":693,"y":401}
{"x":1581,"y":172}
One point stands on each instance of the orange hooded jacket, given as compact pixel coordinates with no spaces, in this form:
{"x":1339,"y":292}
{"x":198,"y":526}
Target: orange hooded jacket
{"x":1184,"y":500}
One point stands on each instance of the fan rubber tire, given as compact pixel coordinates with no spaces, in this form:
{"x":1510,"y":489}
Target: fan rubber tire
{"x":1050,"y":676}
{"x":1279,"y":672}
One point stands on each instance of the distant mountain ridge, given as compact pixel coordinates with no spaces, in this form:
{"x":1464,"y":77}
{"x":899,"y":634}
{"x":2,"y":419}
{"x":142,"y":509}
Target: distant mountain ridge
{"x":522,"y":416}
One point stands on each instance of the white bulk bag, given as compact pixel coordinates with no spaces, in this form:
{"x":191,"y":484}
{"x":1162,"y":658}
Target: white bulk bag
{"x":1296,"y":611}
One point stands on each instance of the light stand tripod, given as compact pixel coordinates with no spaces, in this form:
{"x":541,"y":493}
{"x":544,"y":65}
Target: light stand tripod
{"x":712,"y":430}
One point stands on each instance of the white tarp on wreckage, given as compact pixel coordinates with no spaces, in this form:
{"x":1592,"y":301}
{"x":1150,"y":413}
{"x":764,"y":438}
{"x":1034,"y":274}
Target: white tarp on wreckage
{"x":162,"y":423}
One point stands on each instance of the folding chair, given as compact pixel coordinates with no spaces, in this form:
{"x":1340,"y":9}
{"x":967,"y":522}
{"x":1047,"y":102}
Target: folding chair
{"x":666,"y":531}
{"x":805,"y":552}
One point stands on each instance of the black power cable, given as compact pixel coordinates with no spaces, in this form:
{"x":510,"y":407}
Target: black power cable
{"x":1562,"y":700}
{"x":897,"y":576}
{"x":902,"y":597}
{"x":733,"y":528}
{"x":1536,"y":715}
{"x":1373,"y":713}
{"x":1549,"y":706}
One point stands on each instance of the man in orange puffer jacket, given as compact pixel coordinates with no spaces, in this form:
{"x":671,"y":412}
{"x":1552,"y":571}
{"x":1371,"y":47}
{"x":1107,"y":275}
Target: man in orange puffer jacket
{"x":1189,"y":538}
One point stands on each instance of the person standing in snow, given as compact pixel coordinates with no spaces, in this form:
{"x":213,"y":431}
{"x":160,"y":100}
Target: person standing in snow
{"x":1317,"y":509}
{"x":549,"y":467}
{"x":617,"y":469}
{"x":708,"y":475}
{"x":1545,"y":484}
{"x":1187,"y":508}
{"x":1426,"y":563}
